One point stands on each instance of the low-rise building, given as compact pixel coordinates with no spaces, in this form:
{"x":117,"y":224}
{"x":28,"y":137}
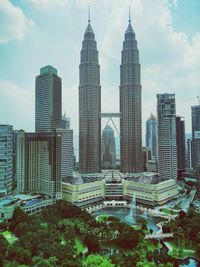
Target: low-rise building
{"x":112,"y":185}
{"x":29,"y":204}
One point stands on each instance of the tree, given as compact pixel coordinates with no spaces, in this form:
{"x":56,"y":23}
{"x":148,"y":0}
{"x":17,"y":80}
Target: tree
{"x":92,"y":243}
{"x":18,"y":217}
{"x":97,"y":260}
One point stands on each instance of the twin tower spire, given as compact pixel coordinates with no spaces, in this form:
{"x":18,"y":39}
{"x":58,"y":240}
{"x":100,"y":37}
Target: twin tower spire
{"x":90,"y":105}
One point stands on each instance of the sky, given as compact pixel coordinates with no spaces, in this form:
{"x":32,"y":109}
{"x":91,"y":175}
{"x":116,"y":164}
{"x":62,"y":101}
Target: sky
{"x":35,"y":33}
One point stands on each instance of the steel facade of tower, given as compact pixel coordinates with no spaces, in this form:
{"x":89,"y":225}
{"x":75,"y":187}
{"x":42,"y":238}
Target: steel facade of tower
{"x":48,"y":100}
{"x":89,"y":106}
{"x":130,"y":105}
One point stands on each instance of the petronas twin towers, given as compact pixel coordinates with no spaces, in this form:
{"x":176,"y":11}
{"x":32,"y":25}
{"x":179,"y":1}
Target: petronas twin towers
{"x":90,"y":105}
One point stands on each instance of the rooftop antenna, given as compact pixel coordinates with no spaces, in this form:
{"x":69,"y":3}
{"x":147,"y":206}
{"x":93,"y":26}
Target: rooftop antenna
{"x":129,"y":15}
{"x":89,"y":14}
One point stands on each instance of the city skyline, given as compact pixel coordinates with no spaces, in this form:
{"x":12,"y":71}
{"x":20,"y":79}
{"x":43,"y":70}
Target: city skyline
{"x":172,"y":68}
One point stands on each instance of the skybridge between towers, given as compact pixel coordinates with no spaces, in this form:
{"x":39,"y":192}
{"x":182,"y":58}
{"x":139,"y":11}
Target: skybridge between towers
{"x":110,"y":117}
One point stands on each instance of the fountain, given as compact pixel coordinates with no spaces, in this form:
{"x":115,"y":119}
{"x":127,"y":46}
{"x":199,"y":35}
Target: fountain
{"x":131,"y":216}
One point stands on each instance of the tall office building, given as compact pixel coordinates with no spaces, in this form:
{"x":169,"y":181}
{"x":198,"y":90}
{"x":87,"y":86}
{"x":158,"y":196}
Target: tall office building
{"x":151,"y":136}
{"x":67,"y":153}
{"x":39,"y":163}
{"x":108,"y":148}
{"x":6,"y":159}
{"x":189,"y":153}
{"x":167,"y":149}
{"x":65,"y":122}
{"x":195,"y":136}
{"x":48,"y":100}
{"x":89,"y":105}
{"x":130,"y":105}
{"x":180,"y":142}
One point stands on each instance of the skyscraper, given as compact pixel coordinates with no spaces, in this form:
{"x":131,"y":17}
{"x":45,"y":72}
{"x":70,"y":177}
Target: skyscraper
{"x":6,"y":159}
{"x":48,"y":100}
{"x":180,"y":142}
{"x":189,"y":153}
{"x":67,"y":159}
{"x":89,"y":105}
{"x":39,"y":163}
{"x":65,"y":122}
{"x":151,"y":136}
{"x":195,"y":136}
{"x":130,"y":105}
{"x":167,"y":149}
{"x":108,"y":147}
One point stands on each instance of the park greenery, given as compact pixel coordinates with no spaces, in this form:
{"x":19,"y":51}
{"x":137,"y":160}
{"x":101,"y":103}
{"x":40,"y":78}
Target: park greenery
{"x":186,"y":229}
{"x":64,"y":235}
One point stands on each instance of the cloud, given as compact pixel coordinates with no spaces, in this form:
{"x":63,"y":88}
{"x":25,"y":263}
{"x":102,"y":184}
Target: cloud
{"x":17,"y":105}
{"x":13,"y":22}
{"x":49,"y":4}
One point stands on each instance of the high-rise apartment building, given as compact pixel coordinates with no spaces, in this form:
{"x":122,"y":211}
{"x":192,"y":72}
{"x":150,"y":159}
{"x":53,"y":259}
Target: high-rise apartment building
{"x":89,"y":105}
{"x":180,"y":142}
{"x":39,"y":163}
{"x":167,"y":148}
{"x":108,"y":148}
{"x":48,"y":100}
{"x":6,"y":159}
{"x":130,"y":105}
{"x":151,"y":136}
{"x":195,"y":136}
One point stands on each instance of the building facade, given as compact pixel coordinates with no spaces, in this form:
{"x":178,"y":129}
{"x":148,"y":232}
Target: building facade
{"x":151,"y":136}
{"x":89,"y":105}
{"x":130,"y":105}
{"x":189,"y":153}
{"x":114,"y":186}
{"x":195,"y":136}
{"x":39,"y":163}
{"x":108,"y":148}
{"x":67,"y":160}
{"x":65,"y":122}
{"x":180,"y":142}
{"x":48,"y":100}
{"x":6,"y":159}
{"x":167,"y":148}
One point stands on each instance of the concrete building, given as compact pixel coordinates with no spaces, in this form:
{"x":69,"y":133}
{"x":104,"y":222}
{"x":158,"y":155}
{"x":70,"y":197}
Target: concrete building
{"x":108,"y":148}
{"x":48,"y":100}
{"x":67,"y":160}
{"x":29,"y":204}
{"x":85,"y":190}
{"x":112,"y":185}
{"x":195,"y":136}
{"x":167,"y":148}
{"x":39,"y":163}
{"x":151,"y":136}
{"x":180,"y":142}
{"x":6,"y":159}
{"x":130,"y":105}
{"x":89,"y":105}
